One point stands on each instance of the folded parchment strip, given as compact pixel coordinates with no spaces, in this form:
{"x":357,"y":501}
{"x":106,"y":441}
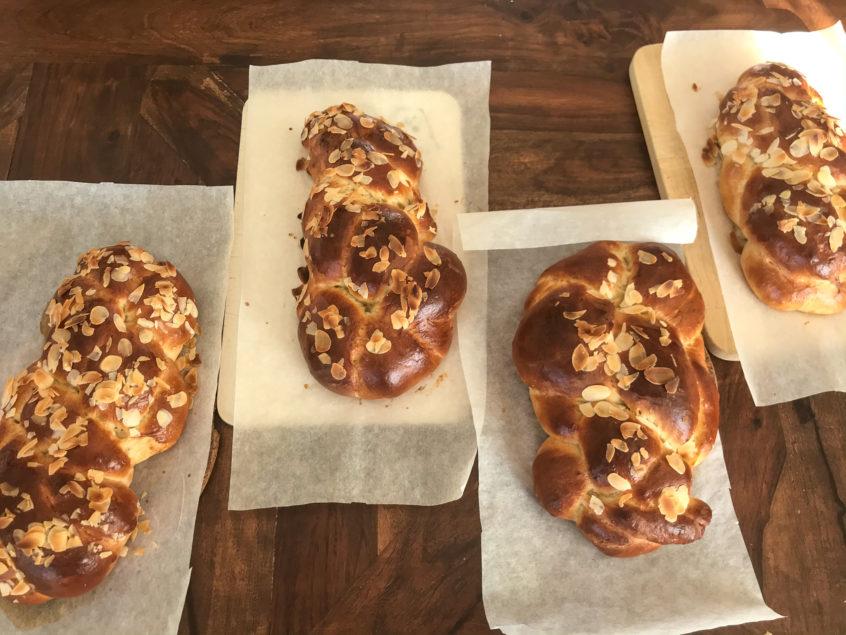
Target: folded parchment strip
{"x":46,"y":226}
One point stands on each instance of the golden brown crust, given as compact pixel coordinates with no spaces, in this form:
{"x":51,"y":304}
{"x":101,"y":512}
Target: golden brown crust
{"x":782,"y":180}
{"x":611,"y":349}
{"x":112,"y":387}
{"x":378,"y":300}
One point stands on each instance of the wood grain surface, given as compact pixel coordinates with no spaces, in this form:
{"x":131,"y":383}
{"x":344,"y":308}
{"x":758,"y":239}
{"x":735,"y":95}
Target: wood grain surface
{"x":151,"y":92}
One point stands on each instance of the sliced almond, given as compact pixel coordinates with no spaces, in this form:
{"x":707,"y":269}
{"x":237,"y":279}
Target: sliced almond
{"x":618,"y":482}
{"x":676,"y":462}
{"x":658,"y":375}
{"x":596,"y":392}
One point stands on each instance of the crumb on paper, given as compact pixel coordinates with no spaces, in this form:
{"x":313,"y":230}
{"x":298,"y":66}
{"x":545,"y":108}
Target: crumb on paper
{"x":695,"y":87}
{"x":301,"y":163}
{"x":305,"y":386}
{"x":440,"y":379}
{"x":246,"y":304}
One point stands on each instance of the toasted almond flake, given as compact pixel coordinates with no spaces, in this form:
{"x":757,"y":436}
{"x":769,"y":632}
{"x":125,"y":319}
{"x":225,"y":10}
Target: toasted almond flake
{"x":825,"y":178}
{"x":21,"y":588}
{"x":835,"y":240}
{"x":596,"y":505}
{"x":324,"y":359}
{"x":56,"y":465}
{"x":621,"y":445}
{"x":98,"y":315}
{"x":106,"y":392}
{"x":42,"y":379}
{"x":602,"y":408}
{"x":119,"y":325}
{"x":799,"y":234}
{"x":613,"y":362}
{"x":672,"y":386}
{"x":178,"y":400}
{"x":618,"y":482}
{"x":587,"y":409}
{"x":596,"y":392}
{"x":377,"y":158}
{"x":347,"y":169}
{"x":322,"y":341}
{"x":646,"y":258}
{"x":645,"y":363}
{"x":637,"y":354}
{"x":396,"y":246}
{"x":432,"y":278}
{"x":164,"y":418}
{"x":574,"y":315}
{"x":628,"y":429}
{"x":828,"y":153}
{"x":111,"y":363}
{"x":28,"y":448}
{"x":394,"y":178}
{"x":609,"y":452}
{"x":644,"y":453}
{"x":378,"y":267}
{"x":432,"y":255}
{"x":337,"y":371}
{"x":676,"y":462}
{"x":623,"y":342}
{"x":377,"y":344}
{"x":618,"y":412}
{"x":658,"y":375}
{"x":636,"y":459}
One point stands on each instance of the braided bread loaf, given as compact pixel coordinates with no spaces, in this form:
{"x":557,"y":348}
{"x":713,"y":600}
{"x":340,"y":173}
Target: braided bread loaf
{"x":112,"y":387}
{"x":378,"y":299}
{"x":782,"y":181}
{"x":610,"y":346}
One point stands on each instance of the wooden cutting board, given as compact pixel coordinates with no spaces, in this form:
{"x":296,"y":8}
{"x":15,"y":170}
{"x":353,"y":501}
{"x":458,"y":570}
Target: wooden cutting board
{"x":675,"y":180}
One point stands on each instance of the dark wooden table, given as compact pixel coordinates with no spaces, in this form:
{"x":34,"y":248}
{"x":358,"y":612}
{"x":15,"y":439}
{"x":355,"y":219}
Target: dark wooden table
{"x":151,"y":92}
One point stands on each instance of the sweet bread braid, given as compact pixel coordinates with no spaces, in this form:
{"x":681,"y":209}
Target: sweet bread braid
{"x":782,"y":181}
{"x":611,"y":349}
{"x":112,"y":387}
{"x":378,"y":300}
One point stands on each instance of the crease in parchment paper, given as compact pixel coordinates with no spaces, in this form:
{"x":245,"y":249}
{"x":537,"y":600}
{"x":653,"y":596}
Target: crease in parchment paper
{"x":47,"y":225}
{"x":809,"y":354}
{"x":539,"y":573}
{"x":294,"y":441}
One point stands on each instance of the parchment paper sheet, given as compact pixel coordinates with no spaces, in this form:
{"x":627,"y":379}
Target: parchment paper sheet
{"x":295,"y":444}
{"x":539,"y":574}
{"x":46,"y":226}
{"x":785,"y":356}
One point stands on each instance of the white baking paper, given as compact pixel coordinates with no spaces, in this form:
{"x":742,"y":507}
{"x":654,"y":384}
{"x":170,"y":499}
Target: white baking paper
{"x":539,"y":573}
{"x":296,"y":442}
{"x":46,"y":226}
{"x":784,"y":355}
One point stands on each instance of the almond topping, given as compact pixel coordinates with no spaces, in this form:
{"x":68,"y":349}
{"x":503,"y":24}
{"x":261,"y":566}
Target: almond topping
{"x":646,"y":258}
{"x":596,"y":392}
{"x":676,"y":462}
{"x":618,"y":482}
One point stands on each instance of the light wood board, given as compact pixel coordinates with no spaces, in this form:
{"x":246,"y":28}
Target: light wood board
{"x":675,"y":180}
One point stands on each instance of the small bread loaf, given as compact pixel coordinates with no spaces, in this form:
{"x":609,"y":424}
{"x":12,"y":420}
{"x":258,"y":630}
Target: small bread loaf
{"x":378,"y":300}
{"x":782,"y":181}
{"x":112,"y":387}
{"x":611,"y":349}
